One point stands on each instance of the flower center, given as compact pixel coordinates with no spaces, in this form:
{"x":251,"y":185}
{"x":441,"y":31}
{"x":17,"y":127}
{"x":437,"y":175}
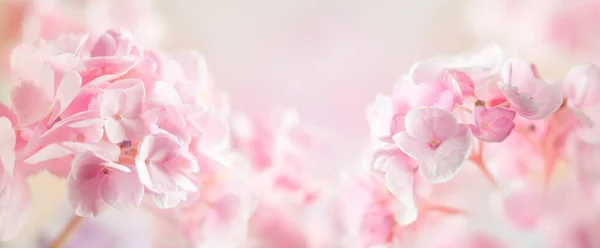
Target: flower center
{"x":105,"y":171}
{"x":434,"y":144}
{"x":117,"y":117}
{"x":484,"y":125}
{"x":128,"y":152}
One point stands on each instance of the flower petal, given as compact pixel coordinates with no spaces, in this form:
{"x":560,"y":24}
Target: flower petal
{"x":428,"y":124}
{"x":84,"y":196}
{"x":67,"y":90}
{"x":122,"y":190}
{"x":416,"y":149}
{"x":30,"y":103}
{"x":114,"y":130}
{"x":449,"y":157}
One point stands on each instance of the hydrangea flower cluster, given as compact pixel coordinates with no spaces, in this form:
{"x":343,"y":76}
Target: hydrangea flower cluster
{"x":484,"y":110}
{"x":118,"y":121}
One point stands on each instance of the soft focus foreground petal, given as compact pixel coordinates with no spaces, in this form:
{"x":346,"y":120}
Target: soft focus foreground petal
{"x":15,"y":201}
{"x":428,"y":124}
{"x":449,"y":157}
{"x":7,"y":145}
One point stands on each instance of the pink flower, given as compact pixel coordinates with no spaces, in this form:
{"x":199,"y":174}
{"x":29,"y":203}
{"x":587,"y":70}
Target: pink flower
{"x":96,"y":183}
{"x":163,"y":166}
{"x":528,"y":95}
{"x":436,"y":141}
{"x":120,"y":105}
{"x":492,"y":125}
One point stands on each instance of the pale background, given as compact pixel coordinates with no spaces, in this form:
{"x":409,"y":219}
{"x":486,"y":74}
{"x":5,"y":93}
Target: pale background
{"x":327,"y":58}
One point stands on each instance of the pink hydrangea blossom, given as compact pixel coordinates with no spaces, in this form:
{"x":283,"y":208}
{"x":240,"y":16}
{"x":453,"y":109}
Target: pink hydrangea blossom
{"x":493,"y":124}
{"x":437,"y":141}
{"x":526,"y":93}
{"x":97,"y":183}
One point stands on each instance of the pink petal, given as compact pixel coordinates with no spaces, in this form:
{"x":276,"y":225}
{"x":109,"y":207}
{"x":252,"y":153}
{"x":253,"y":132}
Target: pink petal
{"x":15,"y":204}
{"x":103,"y":69}
{"x":30,"y":103}
{"x":86,"y":166}
{"x":161,"y":180}
{"x":52,"y":151}
{"x":84,"y":196}
{"x":8,"y":141}
{"x":135,"y":95}
{"x":146,"y":147}
{"x":445,"y":101}
{"x":449,"y":157}
{"x":428,"y":124}
{"x":183,"y":161}
{"x":425,"y":94}
{"x":66,"y":92}
{"x":106,"y":45}
{"x":549,"y":99}
{"x":46,"y":80}
{"x":142,"y":171}
{"x":525,"y":105}
{"x":417,"y":149}
{"x":104,"y":149}
{"x":112,"y":102}
{"x":122,"y":190}
{"x":134,"y":129}
{"x":114,"y":130}
{"x":517,"y":72}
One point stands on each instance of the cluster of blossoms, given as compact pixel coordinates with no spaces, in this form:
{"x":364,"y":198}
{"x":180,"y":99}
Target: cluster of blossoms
{"x":533,"y":139}
{"x":118,"y":121}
